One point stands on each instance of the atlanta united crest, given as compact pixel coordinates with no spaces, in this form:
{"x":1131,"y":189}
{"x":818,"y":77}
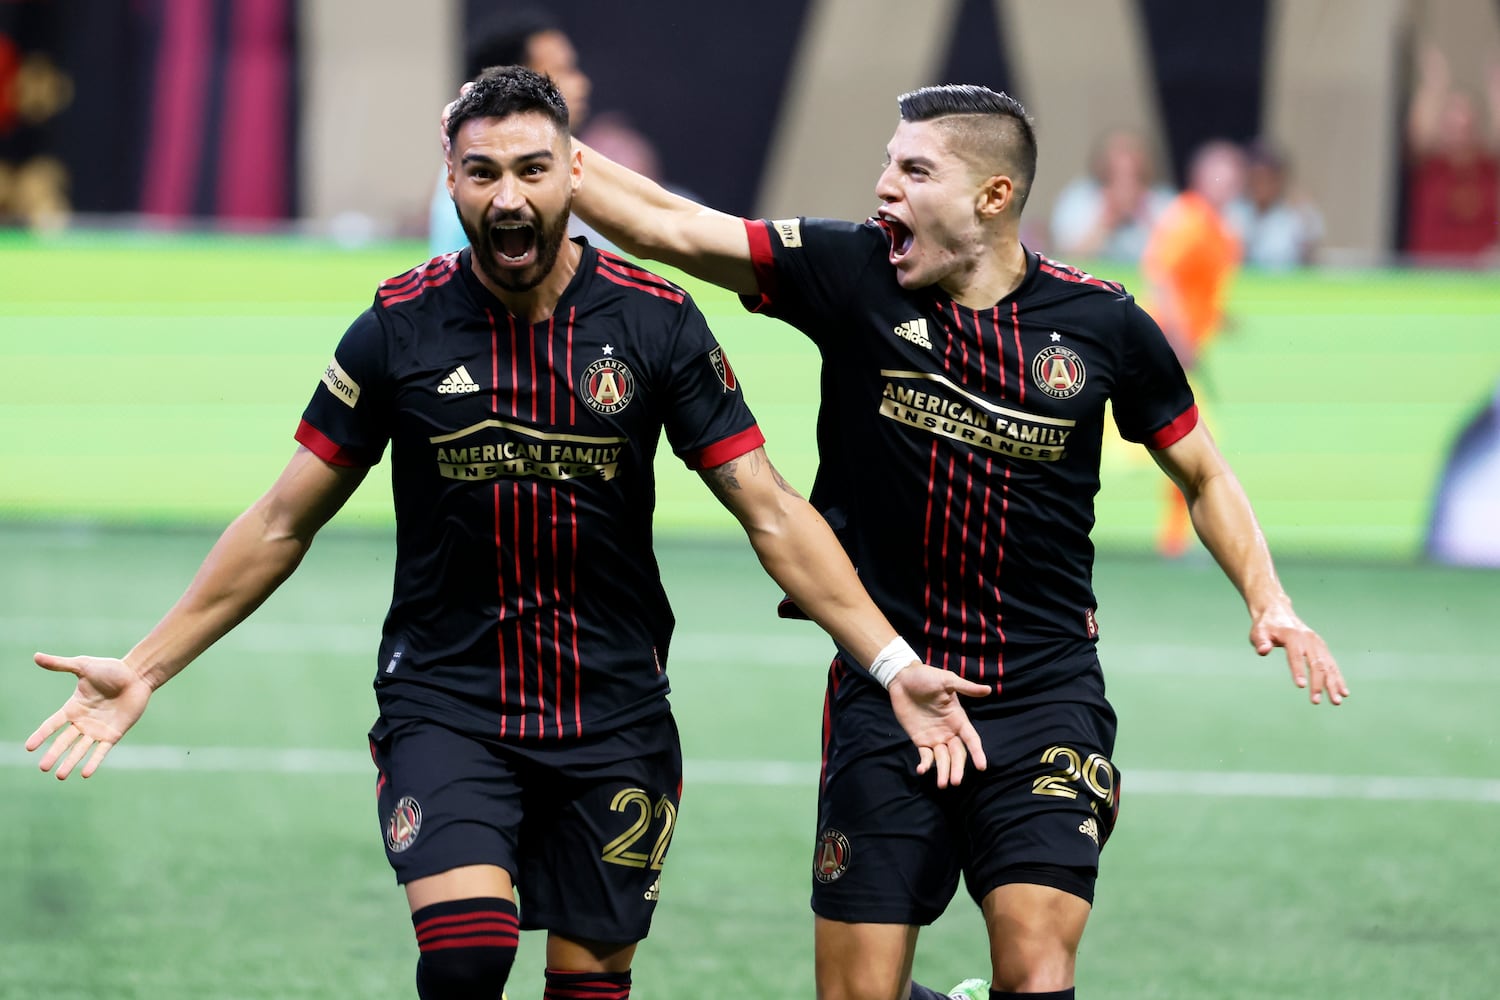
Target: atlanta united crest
{"x":1058,"y":372}
{"x":405,"y":823}
{"x":607,"y":385}
{"x":721,"y":368}
{"x":831,"y":859}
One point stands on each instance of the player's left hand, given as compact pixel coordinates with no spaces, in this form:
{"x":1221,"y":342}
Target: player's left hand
{"x":925,"y":700}
{"x":1313,"y":666}
{"x":443,"y":122}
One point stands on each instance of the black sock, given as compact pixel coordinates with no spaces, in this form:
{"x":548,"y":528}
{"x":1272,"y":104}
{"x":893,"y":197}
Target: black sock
{"x":468,"y":947}
{"x":920,"y":992}
{"x":1066,"y":994}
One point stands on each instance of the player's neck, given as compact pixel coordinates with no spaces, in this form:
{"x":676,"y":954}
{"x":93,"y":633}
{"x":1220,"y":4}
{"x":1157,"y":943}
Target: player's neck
{"x":993,"y":276}
{"x":538,"y":303}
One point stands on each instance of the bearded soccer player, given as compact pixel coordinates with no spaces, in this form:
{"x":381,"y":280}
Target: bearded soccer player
{"x":524,"y":738}
{"x":963,"y":393}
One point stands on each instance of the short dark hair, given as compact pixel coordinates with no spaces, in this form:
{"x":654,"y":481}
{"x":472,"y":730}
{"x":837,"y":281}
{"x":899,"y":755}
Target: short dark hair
{"x":505,"y":39}
{"x":1005,"y":132}
{"x":502,"y":91}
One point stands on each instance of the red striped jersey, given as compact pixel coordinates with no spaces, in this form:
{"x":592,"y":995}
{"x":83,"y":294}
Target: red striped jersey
{"x":959,"y":448}
{"x":526,"y":602}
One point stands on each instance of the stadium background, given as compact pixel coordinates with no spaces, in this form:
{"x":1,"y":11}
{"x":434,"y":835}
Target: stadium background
{"x":204,"y":193}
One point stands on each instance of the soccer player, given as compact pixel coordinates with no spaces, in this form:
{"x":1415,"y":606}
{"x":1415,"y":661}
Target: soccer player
{"x":964,"y":379}
{"x":524,"y":738}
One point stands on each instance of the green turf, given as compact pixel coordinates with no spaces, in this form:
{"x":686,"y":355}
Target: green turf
{"x":162,"y":377}
{"x":145,"y":884}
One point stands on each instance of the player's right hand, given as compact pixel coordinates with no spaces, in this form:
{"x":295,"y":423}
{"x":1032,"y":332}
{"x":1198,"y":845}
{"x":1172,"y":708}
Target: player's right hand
{"x":108,"y":700}
{"x":925,"y":700}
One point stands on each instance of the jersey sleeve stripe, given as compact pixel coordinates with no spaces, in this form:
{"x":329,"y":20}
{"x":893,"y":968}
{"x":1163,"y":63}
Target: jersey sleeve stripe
{"x":1067,"y":272}
{"x":659,"y":292}
{"x":763,"y":262}
{"x":1176,"y":430}
{"x":419,"y":280}
{"x":326,"y":448}
{"x":726,"y":450}
{"x":625,"y":269}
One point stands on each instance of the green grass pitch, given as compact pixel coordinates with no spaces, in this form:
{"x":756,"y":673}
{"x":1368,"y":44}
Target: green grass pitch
{"x":1266,"y":849}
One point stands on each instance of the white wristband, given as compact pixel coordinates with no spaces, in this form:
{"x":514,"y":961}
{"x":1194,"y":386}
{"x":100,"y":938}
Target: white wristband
{"x":897,"y":655}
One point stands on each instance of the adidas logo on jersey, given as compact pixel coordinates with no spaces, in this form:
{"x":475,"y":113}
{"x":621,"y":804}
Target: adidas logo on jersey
{"x":458,"y":381}
{"x":915,"y":330}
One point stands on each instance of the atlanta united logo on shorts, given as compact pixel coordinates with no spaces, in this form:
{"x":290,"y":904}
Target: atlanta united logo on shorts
{"x":607,"y":385}
{"x":831,"y":859}
{"x":1058,"y":372}
{"x":404,"y":825}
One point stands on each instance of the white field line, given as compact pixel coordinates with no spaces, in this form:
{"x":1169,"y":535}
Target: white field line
{"x":774,"y":773}
{"x":798,"y":648}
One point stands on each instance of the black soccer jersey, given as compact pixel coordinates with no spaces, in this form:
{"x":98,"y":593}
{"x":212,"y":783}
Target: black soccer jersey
{"x":959,"y":448}
{"x":526,"y":602}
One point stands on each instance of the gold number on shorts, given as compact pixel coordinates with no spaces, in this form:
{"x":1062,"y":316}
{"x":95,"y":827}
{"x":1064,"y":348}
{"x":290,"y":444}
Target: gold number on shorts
{"x":667,"y":812}
{"x":619,"y":852}
{"x":1094,"y":772}
{"x":1056,"y":783}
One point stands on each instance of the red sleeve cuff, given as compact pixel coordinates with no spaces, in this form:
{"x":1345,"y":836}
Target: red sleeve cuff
{"x":326,"y":448}
{"x":763,"y":262}
{"x":726,"y":450}
{"x":1175,"y":431}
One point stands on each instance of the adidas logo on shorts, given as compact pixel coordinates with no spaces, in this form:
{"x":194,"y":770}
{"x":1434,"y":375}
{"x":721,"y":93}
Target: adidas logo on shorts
{"x":458,"y":381}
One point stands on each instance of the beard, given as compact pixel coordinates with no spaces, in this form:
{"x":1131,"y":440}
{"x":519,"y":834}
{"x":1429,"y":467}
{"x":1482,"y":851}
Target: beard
{"x":547,"y":235}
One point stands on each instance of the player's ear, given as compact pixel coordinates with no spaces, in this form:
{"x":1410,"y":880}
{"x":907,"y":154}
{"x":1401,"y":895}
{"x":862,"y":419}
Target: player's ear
{"x":575,"y":166}
{"x":995,"y":196}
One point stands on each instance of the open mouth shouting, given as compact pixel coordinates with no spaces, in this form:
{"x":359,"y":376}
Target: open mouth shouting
{"x":902,"y":238}
{"x":514,"y":242}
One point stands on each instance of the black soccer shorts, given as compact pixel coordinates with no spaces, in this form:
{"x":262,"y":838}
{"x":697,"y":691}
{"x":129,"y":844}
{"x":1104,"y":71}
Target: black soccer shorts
{"x":583,"y":828}
{"x":891,"y":846}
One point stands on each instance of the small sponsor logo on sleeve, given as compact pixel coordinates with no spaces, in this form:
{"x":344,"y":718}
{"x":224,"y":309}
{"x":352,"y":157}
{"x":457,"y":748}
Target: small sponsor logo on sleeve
{"x":340,"y":384}
{"x":789,"y":230}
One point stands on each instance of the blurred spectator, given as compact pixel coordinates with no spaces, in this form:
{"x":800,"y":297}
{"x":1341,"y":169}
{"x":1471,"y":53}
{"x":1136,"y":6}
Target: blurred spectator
{"x":1465,"y":526}
{"x":526,"y":37}
{"x":1277,"y":229}
{"x":1189,"y":261}
{"x":1108,"y":213}
{"x":612,"y":135}
{"x":1453,"y":167}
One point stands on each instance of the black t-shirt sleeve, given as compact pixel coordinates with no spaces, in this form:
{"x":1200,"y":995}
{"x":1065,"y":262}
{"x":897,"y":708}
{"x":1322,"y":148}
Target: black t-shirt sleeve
{"x":707,"y":420}
{"x":347,"y":420}
{"x":808,"y":270}
{"x":1153,"y":404}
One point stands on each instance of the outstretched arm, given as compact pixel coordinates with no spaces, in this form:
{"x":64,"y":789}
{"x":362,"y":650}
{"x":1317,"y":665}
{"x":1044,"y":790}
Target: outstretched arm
{"x":646,"y":220}
{"x":801,"y":554}
{"x":258,"y":551}
{"x":1223,"y":519}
